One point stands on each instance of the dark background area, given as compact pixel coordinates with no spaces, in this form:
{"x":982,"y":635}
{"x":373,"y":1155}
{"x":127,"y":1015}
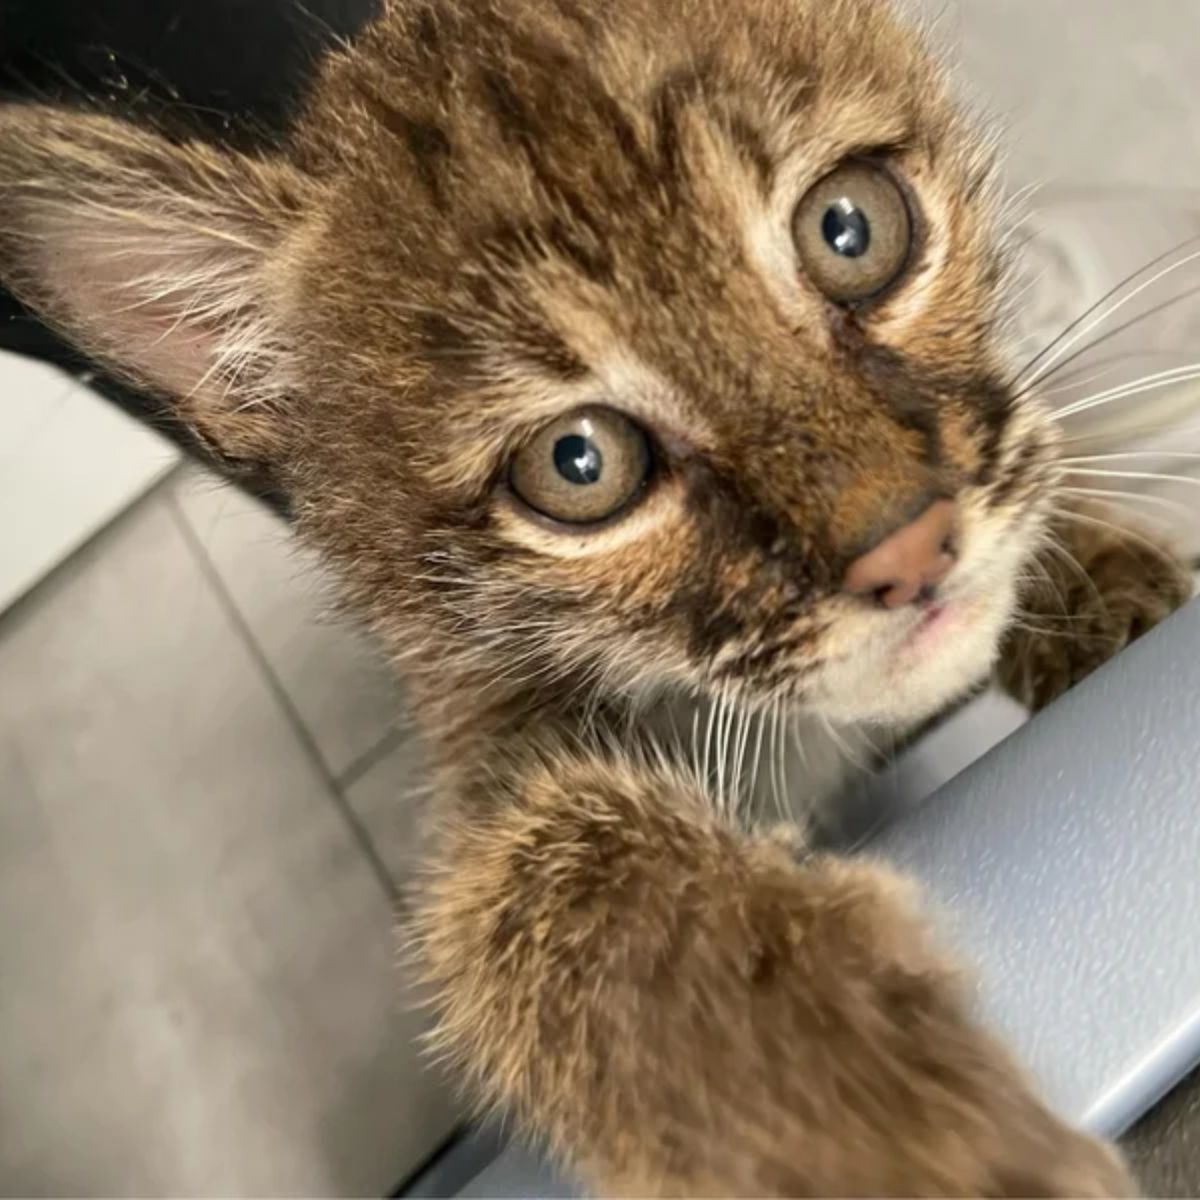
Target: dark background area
{"x":229,"y":70}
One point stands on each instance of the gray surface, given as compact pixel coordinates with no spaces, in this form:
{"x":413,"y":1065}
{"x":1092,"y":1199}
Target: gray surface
{"x":519,"y":1172}
{"x":198,"y":990}
{"x":345,"y":694}
{"x":388,"y":798}
{"x":1066,"y":863}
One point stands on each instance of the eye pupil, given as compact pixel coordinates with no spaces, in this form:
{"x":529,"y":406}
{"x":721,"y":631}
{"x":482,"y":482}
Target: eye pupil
{"x":846,"y":229}
{"x":578,"y":459}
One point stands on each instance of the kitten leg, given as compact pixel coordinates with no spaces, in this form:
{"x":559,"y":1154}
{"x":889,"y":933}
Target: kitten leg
{"x":678,"y":1008}
{"x":1096,"y":587}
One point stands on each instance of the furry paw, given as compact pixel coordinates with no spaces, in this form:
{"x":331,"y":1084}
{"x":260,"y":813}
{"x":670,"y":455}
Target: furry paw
{"x":1083,"y":1167}
{"x":1098,"y":589}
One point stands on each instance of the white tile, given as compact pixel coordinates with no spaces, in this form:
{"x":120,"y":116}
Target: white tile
{"x":69,"y":463}
{"x":339,"y":684}
{"x":199,"y":990}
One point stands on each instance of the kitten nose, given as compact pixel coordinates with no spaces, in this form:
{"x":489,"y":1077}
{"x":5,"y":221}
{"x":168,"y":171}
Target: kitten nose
{"x":909,"y":562}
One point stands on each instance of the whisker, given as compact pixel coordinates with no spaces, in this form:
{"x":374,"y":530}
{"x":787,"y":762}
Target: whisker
{"x":708,"y":732}
{"x":1072,"y":514}
{"x":739,"y":755}
{"x":1127,"y":454}
{"x":1076,"y":384}
{"x":1054,"y":545}
{"x":1087,"y":320}
{"x":1109,"y":334}
{"x":1125,"y":497}
{"x":1059,"y":547}
{"x":757,"y":756}
{"x":1150,"y":427}
{"x":1150,"y":475}
{"x":785,"y":807}
{"x":1148,"y":383}
{"x":1047,"y":369}
{"x":778,"y":750}
{"x":1039,"y":630}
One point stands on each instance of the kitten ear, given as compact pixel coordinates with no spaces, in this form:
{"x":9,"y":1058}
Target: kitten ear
{"x":161,"y":259}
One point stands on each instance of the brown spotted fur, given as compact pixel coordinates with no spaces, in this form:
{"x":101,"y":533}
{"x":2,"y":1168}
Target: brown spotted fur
{"x":494,"y":211}
{"x":1083,"y":606}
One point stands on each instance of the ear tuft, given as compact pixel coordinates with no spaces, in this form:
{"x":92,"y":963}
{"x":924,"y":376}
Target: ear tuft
{"x":163,"y":260}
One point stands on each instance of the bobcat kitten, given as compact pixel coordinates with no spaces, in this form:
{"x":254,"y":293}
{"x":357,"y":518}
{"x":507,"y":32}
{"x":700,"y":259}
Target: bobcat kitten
{"x":625,"y":359}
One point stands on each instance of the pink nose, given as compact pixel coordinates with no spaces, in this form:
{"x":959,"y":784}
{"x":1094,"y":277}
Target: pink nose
{"x":909,"y":562}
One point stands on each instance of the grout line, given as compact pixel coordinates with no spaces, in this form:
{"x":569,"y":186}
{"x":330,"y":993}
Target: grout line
{"x":159,"y":485}
{"x":392,"y":740}
{"x":357,"y":830}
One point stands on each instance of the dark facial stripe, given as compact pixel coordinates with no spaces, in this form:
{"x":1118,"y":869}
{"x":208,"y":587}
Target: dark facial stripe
{"x":995,"y":406}
{"x":748,"y":141}
{"x":911,"y":394}
{"x":1016,"y":473}
{"x":514,"y":119}
{"x":426,"y":143}
{"x":675,"y":92}
{"x":589,"y":254}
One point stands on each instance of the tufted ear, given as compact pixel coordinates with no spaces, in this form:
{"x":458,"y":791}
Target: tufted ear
{"x":164,"y":260}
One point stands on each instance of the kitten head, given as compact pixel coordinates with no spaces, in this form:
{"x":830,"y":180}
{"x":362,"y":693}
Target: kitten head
{"x":644,"y":345}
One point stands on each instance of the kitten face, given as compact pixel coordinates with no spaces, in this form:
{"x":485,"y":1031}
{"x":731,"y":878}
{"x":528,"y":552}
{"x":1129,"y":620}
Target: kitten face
{"x":606,"y":222}
{"x":595,"y":347}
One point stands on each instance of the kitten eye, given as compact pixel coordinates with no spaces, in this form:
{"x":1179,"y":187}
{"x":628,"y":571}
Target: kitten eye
{"x":853,"y":232}
{"x":582,"y":468}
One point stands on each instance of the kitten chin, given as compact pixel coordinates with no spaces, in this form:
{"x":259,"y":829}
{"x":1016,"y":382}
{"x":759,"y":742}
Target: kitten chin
{"x":898,"y":682}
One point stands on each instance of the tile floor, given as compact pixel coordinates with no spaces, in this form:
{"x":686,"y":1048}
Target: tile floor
{"x":202,"y":832}
{"x":205,"y":789}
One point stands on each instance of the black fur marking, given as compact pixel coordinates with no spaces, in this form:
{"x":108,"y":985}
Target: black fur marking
{"x":1016,"y":473}
{"x":442,"y":338}
{"x":427,"y":35}
{"x":995,"y":405}
{"x":514,"y":119}
{"x":427,"y":143}
{"x":750,"y":145}
{"x":675,"y":92}
{"x":430,"y":149}
{"x":590,"y":256}
{"x":911,"y":393}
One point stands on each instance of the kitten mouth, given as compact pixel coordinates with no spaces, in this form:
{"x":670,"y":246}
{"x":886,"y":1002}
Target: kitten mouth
{"x":937,"y":620}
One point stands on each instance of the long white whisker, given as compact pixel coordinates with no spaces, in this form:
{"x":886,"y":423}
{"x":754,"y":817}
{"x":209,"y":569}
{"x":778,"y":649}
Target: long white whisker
{"x":1124,"y":497}
{"x":1087,"y":327}
{"x":777,"y":752}
{"x":1076,"y":384}
{"x":785,"y":808}
{"x":722,"y":753}
{"x":1071,"y":514}
{"x":761,"y":717}
{"x":1128,"y":454}
{"x":739,"y":756}
{"x":1150,"y":427}
{"x":1151,"y":475}
{"x":708,"y":736}
{"x":1147,"y":383}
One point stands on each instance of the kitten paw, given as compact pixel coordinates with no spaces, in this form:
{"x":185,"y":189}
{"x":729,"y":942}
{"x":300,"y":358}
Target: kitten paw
{"x":1098,"y":590}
